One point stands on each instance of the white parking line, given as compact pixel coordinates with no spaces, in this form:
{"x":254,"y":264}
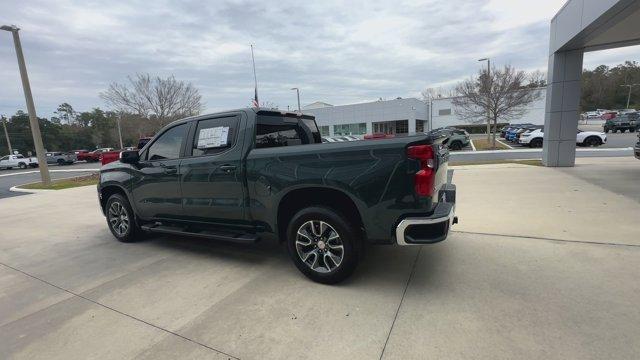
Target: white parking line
{"x":507,"y":145}
{"x":38,"y":171}
{"x":472,"y":146}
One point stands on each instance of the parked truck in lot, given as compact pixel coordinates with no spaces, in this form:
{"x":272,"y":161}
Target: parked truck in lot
{"x":18,"y":161}
{"x":254,"y":174}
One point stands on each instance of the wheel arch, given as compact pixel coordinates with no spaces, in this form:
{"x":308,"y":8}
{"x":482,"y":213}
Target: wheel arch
{"x":109,"y":189}
{"x":299,"y":198}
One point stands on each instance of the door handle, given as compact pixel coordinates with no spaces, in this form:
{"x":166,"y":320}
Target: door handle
{"x":169,"y":169}
{"x":227,"y":168}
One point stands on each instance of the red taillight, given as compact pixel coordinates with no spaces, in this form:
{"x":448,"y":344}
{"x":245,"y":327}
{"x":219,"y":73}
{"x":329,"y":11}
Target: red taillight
{"x":424,"y":178}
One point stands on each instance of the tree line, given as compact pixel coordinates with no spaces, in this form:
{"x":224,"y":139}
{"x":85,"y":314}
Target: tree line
{"x":142,"y":107}
{"x":603,"y":87}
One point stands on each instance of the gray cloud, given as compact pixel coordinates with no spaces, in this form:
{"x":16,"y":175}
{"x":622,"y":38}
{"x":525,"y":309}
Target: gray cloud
{"x":335,"y":51}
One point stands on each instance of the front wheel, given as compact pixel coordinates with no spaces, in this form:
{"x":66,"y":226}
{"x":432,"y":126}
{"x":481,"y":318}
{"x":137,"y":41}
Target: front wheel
{"x":323,"y":245}
{"x":593,"y":141}
{"x":22,"y":166}
{"x":121,"y":219}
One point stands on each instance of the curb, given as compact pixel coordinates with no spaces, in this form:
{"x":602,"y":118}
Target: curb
{"x":30,"y":191}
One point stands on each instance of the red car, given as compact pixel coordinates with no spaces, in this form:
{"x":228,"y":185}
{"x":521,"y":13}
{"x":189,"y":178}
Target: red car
{"x":378,"y":136}
{"x":81,"y":154}
{"x":109,"y":156}
{"x":95,"y":154}
{"x":608,"y":116}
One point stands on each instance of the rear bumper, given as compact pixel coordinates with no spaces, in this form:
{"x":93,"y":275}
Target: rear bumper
{"x":433,"y":228}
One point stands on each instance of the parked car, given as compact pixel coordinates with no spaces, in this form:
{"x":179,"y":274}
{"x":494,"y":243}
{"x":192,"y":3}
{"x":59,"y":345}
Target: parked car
{"x":622,"y":123}
{"x":17,"y":161}
{"x":81,"y":155}
{"x":95,"y":154}
{"x":636,"y":149}
{"x":61,"y":158}
{"x":458,"y":138}
{"x":378,"y":136}
{"x":608,"y":115}
{"x":253,"y":174}
{"x":503,"y":131}
{"x":534,"y":139}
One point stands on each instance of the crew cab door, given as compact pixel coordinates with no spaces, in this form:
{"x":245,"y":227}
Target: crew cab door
{"x":212,"y":172}
{"x":156,"y":181}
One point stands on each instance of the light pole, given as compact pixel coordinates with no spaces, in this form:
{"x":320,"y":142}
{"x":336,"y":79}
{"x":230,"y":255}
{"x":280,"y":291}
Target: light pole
{"x":31,"y":109}
{"x":119,"y":129}
{"x":6,"y":134}
{"x":298,"y":93}
{"x":488,"y":60}
{"x":629,"y":96}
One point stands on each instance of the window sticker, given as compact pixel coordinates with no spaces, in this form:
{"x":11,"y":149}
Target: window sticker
{"x":213,"y":137}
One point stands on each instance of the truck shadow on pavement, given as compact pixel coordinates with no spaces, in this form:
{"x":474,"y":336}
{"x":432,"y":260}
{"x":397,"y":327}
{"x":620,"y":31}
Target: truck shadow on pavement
{"x":382,"y":265}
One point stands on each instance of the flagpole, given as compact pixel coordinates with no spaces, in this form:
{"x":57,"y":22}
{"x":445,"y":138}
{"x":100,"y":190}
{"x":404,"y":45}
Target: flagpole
{"x":255,"y":79}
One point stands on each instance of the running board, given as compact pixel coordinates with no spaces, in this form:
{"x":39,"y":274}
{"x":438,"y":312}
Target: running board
{"x":241,"y":238}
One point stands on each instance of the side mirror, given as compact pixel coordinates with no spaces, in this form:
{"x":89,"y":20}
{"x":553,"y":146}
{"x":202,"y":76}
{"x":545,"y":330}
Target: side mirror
{"x":129,"y":157}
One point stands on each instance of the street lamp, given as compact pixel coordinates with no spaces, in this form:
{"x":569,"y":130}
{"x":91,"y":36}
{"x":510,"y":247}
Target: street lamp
{"x":629,"y":96}
{"x":488,"y":60}
{"x":31,"y":109}
{"x":298,"y":93}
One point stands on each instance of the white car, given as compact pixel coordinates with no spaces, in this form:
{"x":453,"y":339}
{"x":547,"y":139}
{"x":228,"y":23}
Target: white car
{"x":583,"y":138}
{"x":19,"y":161}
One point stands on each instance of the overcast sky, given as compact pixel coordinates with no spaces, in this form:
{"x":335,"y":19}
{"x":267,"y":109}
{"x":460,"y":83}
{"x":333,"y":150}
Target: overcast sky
{"x":339,"y":52}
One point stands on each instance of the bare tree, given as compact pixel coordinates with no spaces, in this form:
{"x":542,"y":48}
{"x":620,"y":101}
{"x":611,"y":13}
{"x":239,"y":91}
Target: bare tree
{"x":430,"y":94}
{"x":503,"y":95}
{"x":165,"y":99}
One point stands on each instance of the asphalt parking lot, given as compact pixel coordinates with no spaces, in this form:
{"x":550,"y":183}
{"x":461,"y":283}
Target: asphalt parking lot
{"x":541,"y":273}
{"x":13,"y":177}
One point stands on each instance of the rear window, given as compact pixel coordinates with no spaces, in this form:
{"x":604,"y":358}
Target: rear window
{"x":277,"y":130}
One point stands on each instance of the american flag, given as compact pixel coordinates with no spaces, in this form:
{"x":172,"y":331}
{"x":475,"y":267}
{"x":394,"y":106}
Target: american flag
{"x":255,"y":102}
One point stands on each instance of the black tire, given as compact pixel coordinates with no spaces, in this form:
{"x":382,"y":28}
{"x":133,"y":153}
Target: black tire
{"x":606,"y":130}
{"x":623,"y":130}
{"x":22,"y":165}
{"x":321,"y":247}
{"x":112,"y":208}
{"x":632,"y":130}
{"x":536,"y":143}
{"x":456,"y":145}
{"x":60,"y":162}
{"x":592,"y":141}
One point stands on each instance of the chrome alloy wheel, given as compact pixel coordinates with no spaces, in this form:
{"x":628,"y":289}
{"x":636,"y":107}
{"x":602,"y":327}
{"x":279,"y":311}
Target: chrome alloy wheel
{"x":118,"y":218}
{"x":319,"y":246}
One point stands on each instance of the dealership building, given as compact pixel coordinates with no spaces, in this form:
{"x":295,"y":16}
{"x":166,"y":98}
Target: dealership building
{"x":400,"y":116}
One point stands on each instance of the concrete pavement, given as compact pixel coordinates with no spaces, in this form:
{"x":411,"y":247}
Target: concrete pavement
{"x":531,"y":272}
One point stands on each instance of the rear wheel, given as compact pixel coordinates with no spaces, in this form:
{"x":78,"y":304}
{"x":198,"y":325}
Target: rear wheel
{"x":121,"y":219}
{"x":323,"y":245}
{"x":60,"y":162}
{"x":632,"y":130}
{"x":536,"y":143}
{"x":22,"y":166}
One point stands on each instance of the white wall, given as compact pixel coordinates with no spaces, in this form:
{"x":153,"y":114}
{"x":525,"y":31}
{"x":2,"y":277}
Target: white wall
{"x":387,"y":110}
{"x":534,"y":115}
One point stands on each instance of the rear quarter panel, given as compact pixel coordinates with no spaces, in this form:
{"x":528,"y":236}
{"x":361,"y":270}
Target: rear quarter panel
{"x":376,"y":175}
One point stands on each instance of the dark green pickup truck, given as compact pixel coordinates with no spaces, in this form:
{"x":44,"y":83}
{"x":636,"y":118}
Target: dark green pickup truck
{"x":254,"y":174}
